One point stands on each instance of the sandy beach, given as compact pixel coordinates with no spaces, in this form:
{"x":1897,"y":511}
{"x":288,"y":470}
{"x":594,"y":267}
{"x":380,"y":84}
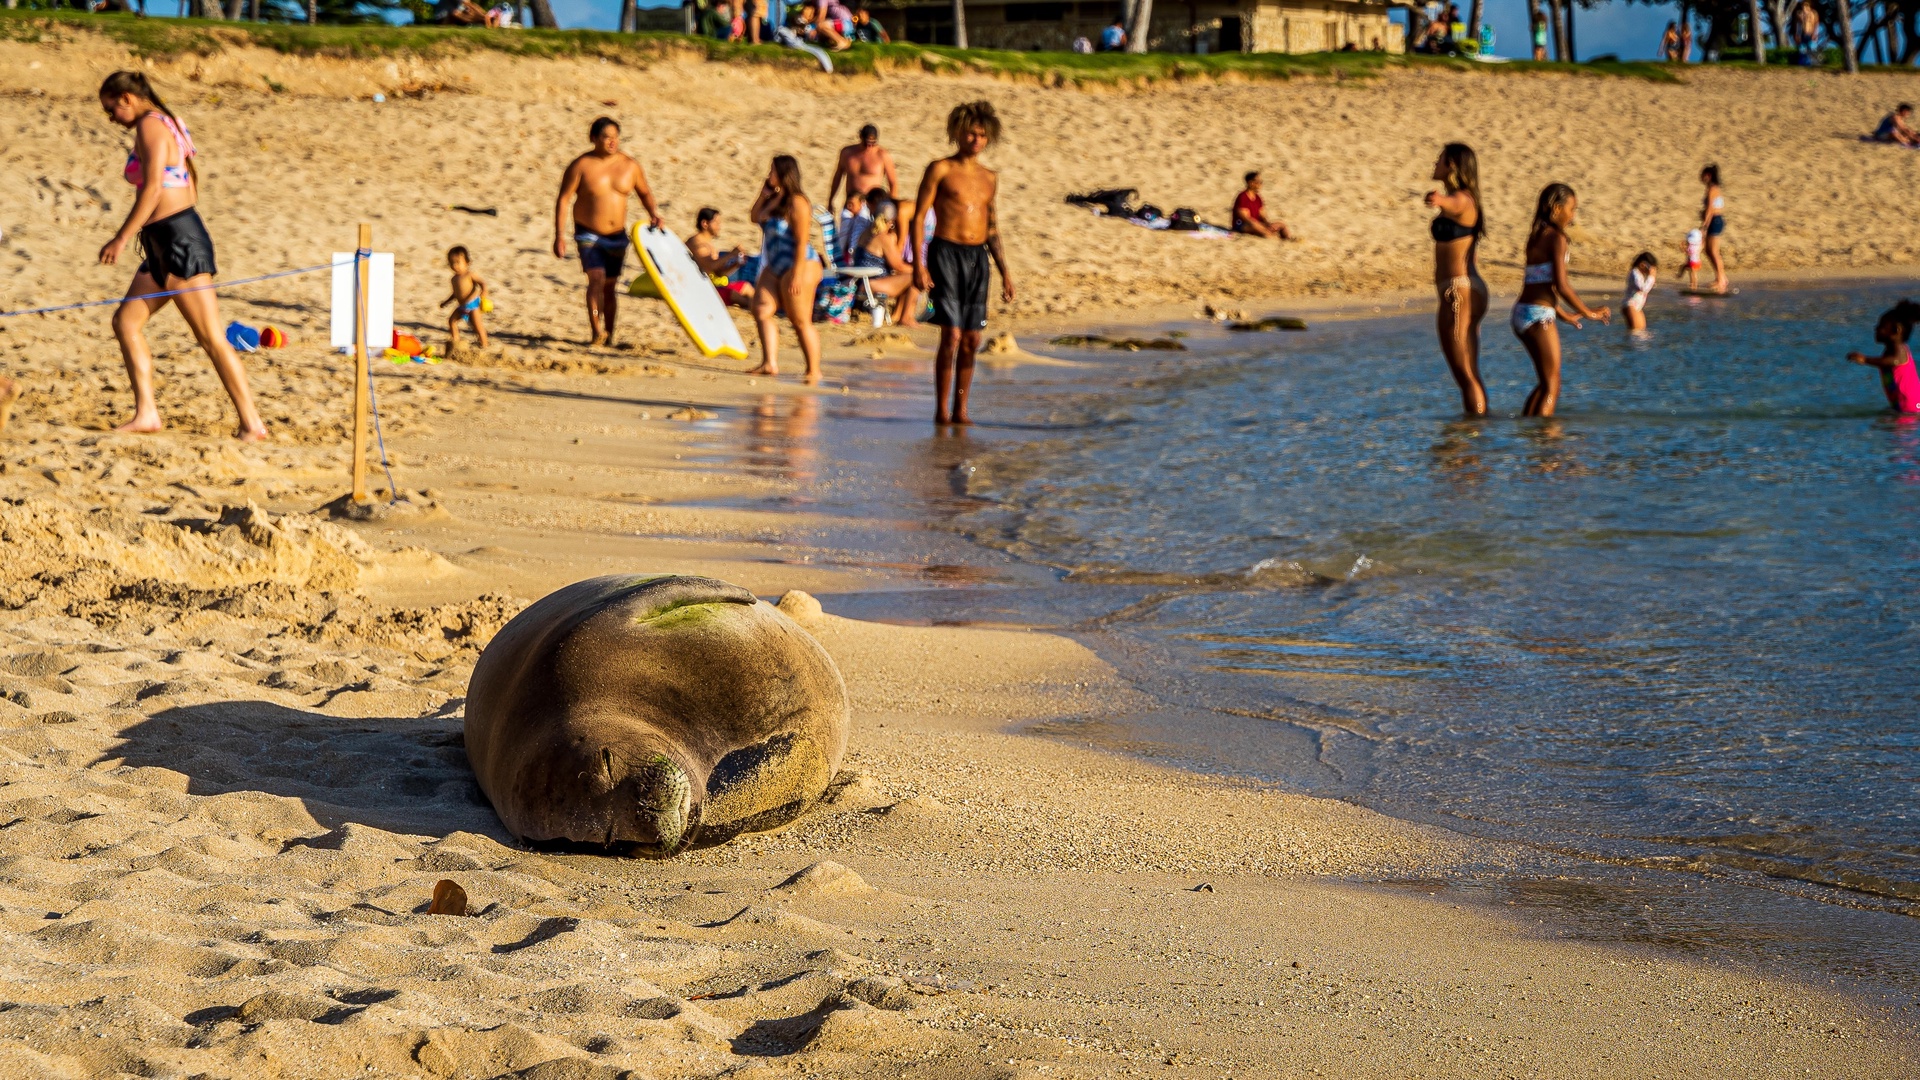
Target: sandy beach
{"x":231,"y":766}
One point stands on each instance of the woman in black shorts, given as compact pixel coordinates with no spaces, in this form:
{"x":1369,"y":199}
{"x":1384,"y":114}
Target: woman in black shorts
{"x":179,"y":253}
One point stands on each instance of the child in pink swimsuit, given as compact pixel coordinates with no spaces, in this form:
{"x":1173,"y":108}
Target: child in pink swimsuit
{"x":1897,"y":375}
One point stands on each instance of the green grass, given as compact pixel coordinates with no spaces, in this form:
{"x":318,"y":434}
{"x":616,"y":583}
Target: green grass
{"x":164,"y":38}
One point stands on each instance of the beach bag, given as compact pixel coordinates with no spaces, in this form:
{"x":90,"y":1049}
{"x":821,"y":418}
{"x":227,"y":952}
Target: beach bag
{"x":833,"y":302}
{"x":1185,"y":219}
{"x":1147,"y":213}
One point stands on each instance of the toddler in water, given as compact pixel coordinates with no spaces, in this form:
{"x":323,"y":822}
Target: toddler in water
{"x":1897,"y":375}
{"x":1696,"y":242}
{"x":469,"y":297}
{"x":1639,"y":287}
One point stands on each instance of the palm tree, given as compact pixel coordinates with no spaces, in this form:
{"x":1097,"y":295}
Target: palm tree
{"x":1847,"y":50}
{"x":1473,"y":19}
{"x":1137,"y":27}
{"x":630,"y":16}
{"x":543,"y":15}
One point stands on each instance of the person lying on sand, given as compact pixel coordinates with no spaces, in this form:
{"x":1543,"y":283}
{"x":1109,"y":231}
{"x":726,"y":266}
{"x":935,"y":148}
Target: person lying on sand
{"x":598,"y":184}
{"x":469,"y":297}
{"x":1896,"y":129}
{"x":1250,"y":213}
{"x":730,"y":265}
{"x":1895,"y":362}
{"x":959,"y":192}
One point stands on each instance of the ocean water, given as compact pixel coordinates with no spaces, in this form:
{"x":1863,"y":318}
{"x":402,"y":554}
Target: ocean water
{"x":1677,"y":624}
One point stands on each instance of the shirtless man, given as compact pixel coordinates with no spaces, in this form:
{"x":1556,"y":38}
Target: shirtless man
{"x":864,"y":166}
{"x":598,"y":183}
{"x":960,"y":191}
{"x":704,"y":246}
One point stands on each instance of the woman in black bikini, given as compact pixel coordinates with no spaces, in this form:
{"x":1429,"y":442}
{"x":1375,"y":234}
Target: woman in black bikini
{"x":179,"y":253}
{"x":1713,"y":222}
{"x":1463,"y":295}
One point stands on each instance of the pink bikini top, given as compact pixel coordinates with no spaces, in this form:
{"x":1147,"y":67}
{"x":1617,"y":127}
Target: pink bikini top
{"x":171,"y":176}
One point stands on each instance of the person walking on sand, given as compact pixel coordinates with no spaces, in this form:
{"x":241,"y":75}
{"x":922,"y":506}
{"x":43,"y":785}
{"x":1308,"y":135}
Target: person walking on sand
{"x":959,"y":191}
{"x":598,"y":184}
{"x":178,"y":250}
{"x":863,"y":166}
{"x":790,"y":268}
{"x":1463,"y":294}
{"x":1895,"y":362}
{"x":1670,"y":43}
{"x":1713,"y":222}
{"x":1535,"y":313}
{"x":467,"y":292}
{"x":1250,"y":213}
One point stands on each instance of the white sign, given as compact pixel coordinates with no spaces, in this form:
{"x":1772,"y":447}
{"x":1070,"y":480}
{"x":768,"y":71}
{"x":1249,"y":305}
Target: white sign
{"x":379,"y":301}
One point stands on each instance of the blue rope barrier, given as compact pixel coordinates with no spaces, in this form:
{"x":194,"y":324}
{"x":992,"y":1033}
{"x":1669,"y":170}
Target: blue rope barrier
{"x":170,"y":292}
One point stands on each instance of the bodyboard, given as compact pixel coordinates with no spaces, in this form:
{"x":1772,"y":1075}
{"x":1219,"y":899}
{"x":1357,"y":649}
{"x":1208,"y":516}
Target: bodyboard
{"x":689,"y":292}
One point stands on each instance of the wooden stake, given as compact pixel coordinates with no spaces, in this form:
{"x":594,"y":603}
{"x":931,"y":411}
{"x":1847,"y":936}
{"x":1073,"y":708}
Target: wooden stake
{"x":362,"y":270}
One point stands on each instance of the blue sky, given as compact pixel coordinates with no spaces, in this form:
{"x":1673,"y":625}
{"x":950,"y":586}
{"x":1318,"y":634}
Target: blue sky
{"x":1631,"y":31}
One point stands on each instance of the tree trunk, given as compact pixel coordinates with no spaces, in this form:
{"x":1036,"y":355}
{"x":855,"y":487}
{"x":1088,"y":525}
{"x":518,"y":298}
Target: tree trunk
{"x":236,"y":10}
{"x":542,"y":15}
{"x":1778,"y":9}
{"x":959,"y":23}
{"x":1137,"y":29}
{"x":629,"y":16}
{"x":1756,"y":31}
{"x":1559,"y":31}
{"x":1847,"y":51}
{"x":1474,"y":14}
{"x":313,"y":12}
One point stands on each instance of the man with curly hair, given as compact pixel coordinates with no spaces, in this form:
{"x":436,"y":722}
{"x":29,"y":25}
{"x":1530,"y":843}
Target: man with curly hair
{"x":959,"y":191}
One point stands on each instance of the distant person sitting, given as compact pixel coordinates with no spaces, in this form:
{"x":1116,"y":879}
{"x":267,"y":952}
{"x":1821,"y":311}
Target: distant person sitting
{"x":732,"y":271}
{"x":459,"y":13}
{"x":1082,"y":45}
{"x":1896,"y":129}
{"x":717,"y":23}
{"x":1250,"y":213}
{"x":1114,"y":37}
{"x":815,"y":29}
{"x":865,"y":30}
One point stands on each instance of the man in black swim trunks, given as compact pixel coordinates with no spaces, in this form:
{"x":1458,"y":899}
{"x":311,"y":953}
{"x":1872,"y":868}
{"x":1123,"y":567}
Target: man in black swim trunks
{"x":960,"y":192}
{"x":598,"y":183}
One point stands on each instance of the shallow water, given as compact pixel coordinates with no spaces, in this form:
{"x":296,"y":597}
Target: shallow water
{"x":1673,"y":626}
{"x":1675,"y":623}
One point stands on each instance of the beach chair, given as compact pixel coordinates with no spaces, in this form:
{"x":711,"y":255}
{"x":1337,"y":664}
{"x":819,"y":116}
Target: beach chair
{"x":843,"y":286}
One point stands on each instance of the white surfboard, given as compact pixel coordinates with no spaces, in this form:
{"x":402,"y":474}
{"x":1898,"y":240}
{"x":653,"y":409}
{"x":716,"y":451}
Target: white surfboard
{"x":689,"y":292}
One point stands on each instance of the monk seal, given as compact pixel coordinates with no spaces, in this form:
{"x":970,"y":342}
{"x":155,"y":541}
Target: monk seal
{"x":653,"y":714}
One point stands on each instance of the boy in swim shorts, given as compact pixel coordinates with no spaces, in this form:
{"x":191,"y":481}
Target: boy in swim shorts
{"x":959,"y":191}
{"x":1695,"y":244}
{"x":469,"y":299}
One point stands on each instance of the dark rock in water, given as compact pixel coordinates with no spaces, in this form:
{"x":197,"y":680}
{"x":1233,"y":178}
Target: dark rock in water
{"x":1278,"y":322}
{"x":1163,"y":344}
{"x":653,"y":715}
